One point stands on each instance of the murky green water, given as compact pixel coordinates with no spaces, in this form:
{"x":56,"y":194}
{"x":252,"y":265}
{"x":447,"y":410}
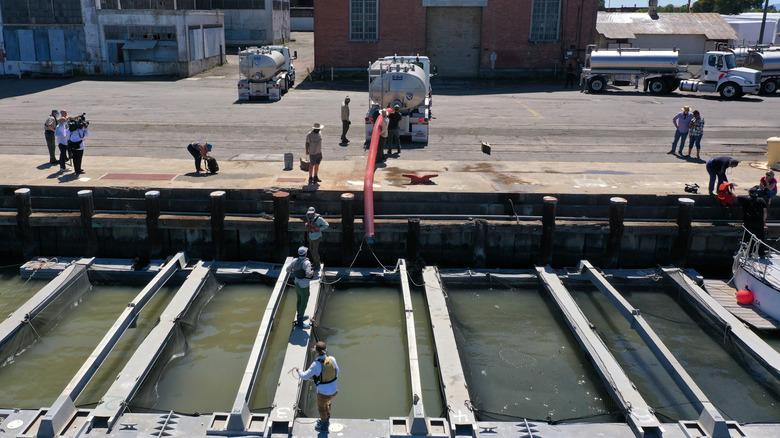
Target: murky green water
{"x":366,"y":333}
{"x":727,"y":384}
{"x":207,"y":377}
{"x":39,"y":374}
{"x":14,"y":291}
{"x":520,"y":359}
{"x":651,"y":379}
{"x":271,"y":368}
{"x":426,"y":355}
{"x":124,"y":349}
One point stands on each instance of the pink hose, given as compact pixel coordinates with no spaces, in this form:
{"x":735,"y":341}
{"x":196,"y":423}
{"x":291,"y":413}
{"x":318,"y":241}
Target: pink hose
{"x":368,"y":180}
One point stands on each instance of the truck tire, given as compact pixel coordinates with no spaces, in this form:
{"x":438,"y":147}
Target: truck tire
{"x":656,"y":86}
{"x":597,"y":84}
{"x":769,"y":86}
{"x":730,"y":90}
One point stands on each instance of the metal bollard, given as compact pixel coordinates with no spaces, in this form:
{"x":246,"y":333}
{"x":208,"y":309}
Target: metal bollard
{"x":288,"y":161}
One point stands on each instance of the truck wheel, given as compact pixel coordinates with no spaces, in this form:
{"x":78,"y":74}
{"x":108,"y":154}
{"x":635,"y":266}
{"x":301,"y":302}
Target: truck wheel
{"x":597,"y":84}
{"x":769,"y":87}
{"x":656,"y":86}
{"x":730,"y":90}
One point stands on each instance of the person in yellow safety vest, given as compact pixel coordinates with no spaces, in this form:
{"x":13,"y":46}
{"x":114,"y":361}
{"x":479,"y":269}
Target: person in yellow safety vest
{"x":324,"y":371}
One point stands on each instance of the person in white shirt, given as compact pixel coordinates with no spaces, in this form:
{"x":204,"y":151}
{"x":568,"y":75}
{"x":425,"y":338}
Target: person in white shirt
{"x":76,"y":147}
{"x":62,"y":134}
{"x":325,"y":372}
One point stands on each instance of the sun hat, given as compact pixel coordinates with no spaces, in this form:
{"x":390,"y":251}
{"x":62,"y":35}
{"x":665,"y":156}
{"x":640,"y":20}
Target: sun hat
{"x":317,"y":126}
{"x":302,"y":251}
{"x":686,"y":108}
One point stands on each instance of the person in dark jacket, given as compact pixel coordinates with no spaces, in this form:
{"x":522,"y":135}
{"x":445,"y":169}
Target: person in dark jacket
{"x":717,"y":167}
{"x":754,"y":216}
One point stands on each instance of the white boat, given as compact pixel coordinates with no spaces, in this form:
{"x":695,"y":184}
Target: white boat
{"x":759,"y":273}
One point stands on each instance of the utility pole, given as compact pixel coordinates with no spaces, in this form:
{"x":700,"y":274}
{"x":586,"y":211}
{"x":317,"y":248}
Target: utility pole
{"x":763,"y":23}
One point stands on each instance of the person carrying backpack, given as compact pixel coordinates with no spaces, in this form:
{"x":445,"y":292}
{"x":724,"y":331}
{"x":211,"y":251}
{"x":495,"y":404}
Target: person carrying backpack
{"x":324,"y":371}
{"x":302,"y":271}
{"x":315,"y":225}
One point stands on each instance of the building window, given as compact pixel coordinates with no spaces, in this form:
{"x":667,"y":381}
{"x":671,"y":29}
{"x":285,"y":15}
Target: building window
{"x":545,"y":19}
{"x":363,"y":20}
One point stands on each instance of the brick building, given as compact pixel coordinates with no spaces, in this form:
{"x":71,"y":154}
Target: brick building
{"x":463,"y":38}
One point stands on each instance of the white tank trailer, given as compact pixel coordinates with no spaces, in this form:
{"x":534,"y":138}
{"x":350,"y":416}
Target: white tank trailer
{"x":265,"y":72}
{"x":660,"y":72}
{"x":404,"y":81}
{"x":768,"y":63}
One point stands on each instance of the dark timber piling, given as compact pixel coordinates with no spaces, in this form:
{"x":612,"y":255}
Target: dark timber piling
{"x":281,"y":224}
{"x":153,"y":222}
{"x":479,"y":258}
{"x":23,"y":212}
{"x":414,"y":260}
{"x":218,"y":224}
{"x":682,"y":244}
{"x":87,"y":207}
{"x":347,"y":228}
{"x":617,"y":214}
{"x":548,"y":229}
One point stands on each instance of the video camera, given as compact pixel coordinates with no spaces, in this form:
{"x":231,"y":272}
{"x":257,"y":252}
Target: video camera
{"x":79,"y":122}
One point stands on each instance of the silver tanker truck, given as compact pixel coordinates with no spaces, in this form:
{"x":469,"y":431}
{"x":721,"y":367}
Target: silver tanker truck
{"x":403,"y":81}
{"x":768,"y":63}
{"x":265,"y":72}
{"x":660,"y":72}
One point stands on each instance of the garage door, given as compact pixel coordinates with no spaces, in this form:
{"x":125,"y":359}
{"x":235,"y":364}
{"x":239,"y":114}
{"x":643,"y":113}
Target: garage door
{"x":453,"y":40}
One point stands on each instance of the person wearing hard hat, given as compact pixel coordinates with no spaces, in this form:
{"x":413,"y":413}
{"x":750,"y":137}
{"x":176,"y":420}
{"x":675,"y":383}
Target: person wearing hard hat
{"x":302,"y":271}
{"x":345,"y":120}
{"x":315,"y":224}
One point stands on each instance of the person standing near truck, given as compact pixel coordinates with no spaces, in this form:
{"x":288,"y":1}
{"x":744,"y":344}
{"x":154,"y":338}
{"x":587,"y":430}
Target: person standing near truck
{"x":682,"y":122}
{"x":393,"y":134}
{"x":696,"y":129}
{"x":345,"y":120}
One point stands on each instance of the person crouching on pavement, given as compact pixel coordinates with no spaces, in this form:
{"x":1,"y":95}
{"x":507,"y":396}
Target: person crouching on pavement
{"x":199,"y":151}
{"x":302,"y":271}
{"x":325,"y":372}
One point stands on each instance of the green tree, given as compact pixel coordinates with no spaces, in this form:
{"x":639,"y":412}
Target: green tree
{"x":726,"y":7}
{"x":602,"y":4}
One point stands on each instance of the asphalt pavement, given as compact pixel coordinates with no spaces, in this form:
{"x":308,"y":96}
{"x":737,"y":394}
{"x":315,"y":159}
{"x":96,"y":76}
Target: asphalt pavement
{"x":544,"y":138}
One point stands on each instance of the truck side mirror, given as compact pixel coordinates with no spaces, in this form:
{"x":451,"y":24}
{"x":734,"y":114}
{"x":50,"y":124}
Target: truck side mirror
{"x":435,"y":69}
{"x":295,"y":54}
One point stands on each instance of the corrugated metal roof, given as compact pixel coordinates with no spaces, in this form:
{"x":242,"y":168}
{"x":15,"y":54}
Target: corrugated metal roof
{"x":619,"y":25}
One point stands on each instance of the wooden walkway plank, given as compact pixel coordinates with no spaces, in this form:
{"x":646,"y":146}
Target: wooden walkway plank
{"x":726,"y":296}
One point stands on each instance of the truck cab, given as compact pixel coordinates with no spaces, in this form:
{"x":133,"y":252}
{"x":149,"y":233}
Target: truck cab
{"x":720,"y":74}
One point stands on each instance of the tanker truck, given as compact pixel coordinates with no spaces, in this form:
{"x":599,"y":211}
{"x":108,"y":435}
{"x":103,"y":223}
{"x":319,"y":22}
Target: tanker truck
{"x":768,"y":63}
{"x":660,"y":72}
{"x":404,"y":81}
{"x":265,"y":72}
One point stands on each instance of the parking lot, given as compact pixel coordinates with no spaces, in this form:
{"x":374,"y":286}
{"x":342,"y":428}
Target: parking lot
{"x":571,"y":132}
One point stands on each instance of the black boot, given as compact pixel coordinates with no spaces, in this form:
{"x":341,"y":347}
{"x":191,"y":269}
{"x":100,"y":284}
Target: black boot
{"x":301,"y":324}
{"x":311,"y":180}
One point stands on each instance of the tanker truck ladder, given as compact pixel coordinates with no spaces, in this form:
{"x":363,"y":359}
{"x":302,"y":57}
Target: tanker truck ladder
{"x":240,"y":421}
{"x":710,"y":420}
{"x":137,"y":368}
{"x":64,"y":409}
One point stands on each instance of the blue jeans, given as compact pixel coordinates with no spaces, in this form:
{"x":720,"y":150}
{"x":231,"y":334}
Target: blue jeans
{"x":695,"y":140}
{"x":679,"y":136}
{"x":721,"y":177}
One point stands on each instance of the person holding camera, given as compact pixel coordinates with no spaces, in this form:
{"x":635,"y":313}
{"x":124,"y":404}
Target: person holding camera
{"x":79,"y":130}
